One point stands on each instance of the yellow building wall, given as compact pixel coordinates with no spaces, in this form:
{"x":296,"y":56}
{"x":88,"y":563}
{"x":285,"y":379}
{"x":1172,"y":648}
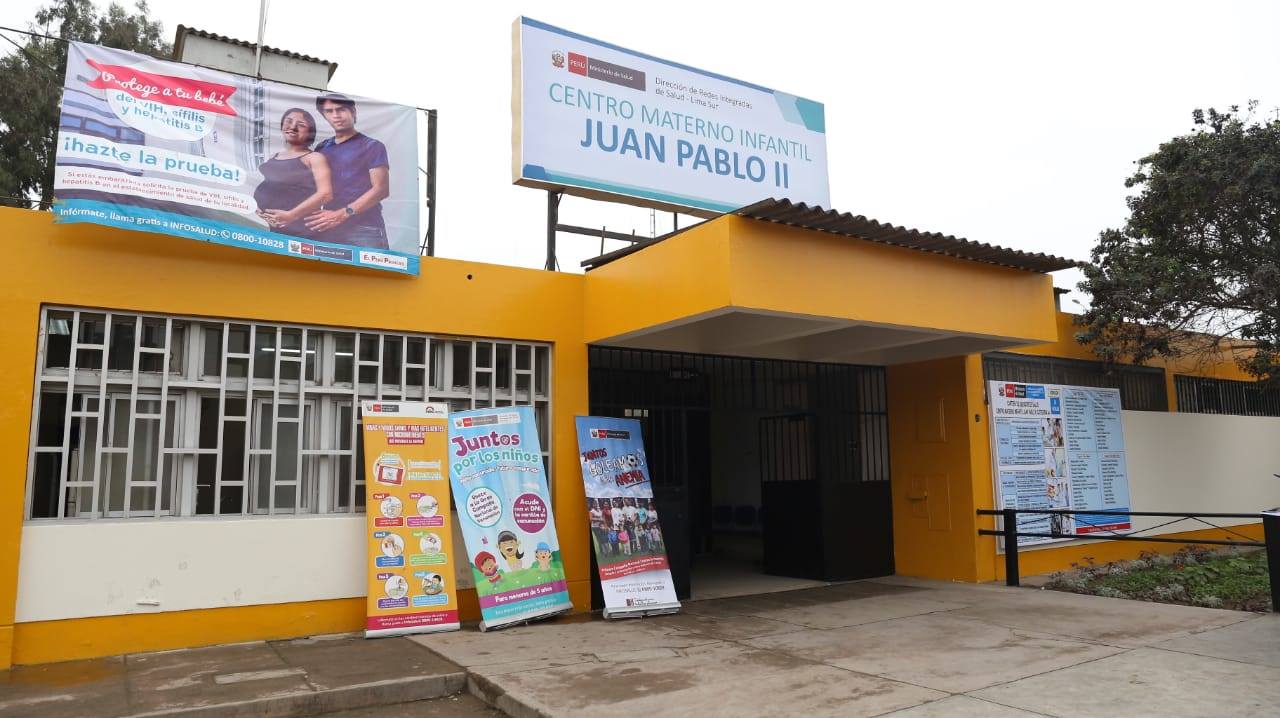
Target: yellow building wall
{"x":682,"y":277}
{"x":1067,"y":347}
{"x":787,"y":269}
{"x":735,"y":262}
{"x":89,"y":266}
{"x":939,"y":438}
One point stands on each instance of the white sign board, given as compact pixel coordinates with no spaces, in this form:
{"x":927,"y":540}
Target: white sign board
{"x":1059,"y":447}
{"x":602,"y":121}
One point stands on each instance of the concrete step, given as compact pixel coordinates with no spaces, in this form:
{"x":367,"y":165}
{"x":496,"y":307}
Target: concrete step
{"x":282,"y":679}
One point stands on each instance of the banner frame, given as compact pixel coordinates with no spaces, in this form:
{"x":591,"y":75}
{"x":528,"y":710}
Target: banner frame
{"x":141,"y":148}
{"x":495,"y":498}
{"x":586,"y":457}
{"x":408,"y":411}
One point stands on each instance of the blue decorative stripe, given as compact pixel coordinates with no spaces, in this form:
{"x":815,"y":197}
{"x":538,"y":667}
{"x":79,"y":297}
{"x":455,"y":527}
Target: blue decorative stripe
{"x":144,"y":219}
{"x":528,"y":608}
{"x":813,"y":115}
{"x":651,"y":58}
{"x":802,"y":112}
{"x":535,"y":172}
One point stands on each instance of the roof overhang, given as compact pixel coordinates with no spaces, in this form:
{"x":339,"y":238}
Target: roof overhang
{"x":742,"y":286}
{"x":290,"y":63}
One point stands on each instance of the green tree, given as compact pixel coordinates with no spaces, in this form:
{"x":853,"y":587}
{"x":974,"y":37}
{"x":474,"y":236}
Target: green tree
{"x":1195,"y":271}
{"x":31,"y":82}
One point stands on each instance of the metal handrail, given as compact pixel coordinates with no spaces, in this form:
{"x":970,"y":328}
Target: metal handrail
{"x":1009,"y":531}
{"x":1114,"y":512}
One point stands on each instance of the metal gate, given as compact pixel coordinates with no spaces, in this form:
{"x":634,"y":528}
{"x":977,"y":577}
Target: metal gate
{"x":822,"y":442}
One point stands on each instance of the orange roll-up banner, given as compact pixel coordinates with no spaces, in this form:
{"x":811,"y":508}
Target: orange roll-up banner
{"x":408,"y":531}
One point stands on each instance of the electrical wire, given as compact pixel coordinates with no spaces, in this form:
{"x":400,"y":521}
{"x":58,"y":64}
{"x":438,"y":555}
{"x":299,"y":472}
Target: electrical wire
{"x":33,"y":34}
{"x":27,"y":52}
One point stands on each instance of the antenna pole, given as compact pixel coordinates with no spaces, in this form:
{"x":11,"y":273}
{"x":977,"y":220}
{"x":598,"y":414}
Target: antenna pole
{"x":262,"y":31}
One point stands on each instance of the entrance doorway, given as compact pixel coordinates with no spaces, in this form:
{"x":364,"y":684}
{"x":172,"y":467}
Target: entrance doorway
{"x":767,"y":475}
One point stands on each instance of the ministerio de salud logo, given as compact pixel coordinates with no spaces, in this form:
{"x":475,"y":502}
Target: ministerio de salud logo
{"x":557,"y":59}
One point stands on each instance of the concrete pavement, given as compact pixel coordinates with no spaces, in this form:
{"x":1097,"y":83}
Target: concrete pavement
{"x":893,"y":646}
{"x":301,"y":677}
{"x":886,"y":647}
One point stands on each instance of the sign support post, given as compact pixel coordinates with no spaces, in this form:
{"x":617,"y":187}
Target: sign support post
{"x":553,"y":219}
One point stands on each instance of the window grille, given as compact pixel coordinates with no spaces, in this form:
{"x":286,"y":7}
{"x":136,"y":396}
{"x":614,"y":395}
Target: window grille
{"x":1204,"y":395}
{"x":1142,"y":388}
{"x":145,"y":415}
{"x":847,"y":403}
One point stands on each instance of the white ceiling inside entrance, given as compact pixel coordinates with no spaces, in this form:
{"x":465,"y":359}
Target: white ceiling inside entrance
{"x":743,"y":332}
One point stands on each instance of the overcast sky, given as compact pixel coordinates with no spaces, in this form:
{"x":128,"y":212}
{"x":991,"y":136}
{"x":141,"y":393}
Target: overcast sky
{"x":1008,"y":123}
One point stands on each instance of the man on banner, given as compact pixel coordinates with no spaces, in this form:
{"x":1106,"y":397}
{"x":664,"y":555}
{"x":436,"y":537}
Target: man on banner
{"x":361,"y":173}
{"x":170,"y":148}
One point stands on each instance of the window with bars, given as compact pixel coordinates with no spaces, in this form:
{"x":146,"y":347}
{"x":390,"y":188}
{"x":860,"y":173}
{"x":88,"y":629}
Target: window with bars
{"x":1142,"y":388}
{"x":149,"y":415}
{"x":1206,"y":395}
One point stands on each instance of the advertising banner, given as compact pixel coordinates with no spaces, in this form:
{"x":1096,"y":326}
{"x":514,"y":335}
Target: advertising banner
{"x":601,"y":120}
{"x":181,"y":150}
{"x":1059,"y":447}
{"x":496,"y":468}
{"x":634,"y":574}
{"x":411,"y":559}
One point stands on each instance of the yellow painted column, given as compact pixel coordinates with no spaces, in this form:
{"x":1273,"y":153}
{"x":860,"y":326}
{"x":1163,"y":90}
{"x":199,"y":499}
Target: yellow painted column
{"x":935,"y":445}
{"x":17,"y":366}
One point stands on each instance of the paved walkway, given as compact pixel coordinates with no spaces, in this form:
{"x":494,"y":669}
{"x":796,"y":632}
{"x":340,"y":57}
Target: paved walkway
{"x":302,"y":677}
{"x":894,"y":646}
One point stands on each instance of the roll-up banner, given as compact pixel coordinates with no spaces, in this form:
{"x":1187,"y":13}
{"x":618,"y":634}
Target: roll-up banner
{"x":625,"y":530}
{"x":504,"y":506}
{"x":171,"y":148}
{"x":411,"y":559}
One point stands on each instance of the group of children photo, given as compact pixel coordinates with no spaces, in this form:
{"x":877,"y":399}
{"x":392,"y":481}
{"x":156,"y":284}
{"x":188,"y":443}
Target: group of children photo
{"x":623,"y":527}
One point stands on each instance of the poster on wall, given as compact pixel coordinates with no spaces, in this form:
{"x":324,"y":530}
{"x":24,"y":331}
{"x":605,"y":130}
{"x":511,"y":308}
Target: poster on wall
{"x":596,"y":119}
{"x":411,"y":558}
{"x":1059,"y":447}
{"x":180,"y":150}
{"x":630,"y":552}
{"x":504,"y":507}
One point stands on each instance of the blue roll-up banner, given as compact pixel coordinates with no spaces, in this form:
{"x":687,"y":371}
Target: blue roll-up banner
{"x":632,"y":556}
{"x":500,"y":488}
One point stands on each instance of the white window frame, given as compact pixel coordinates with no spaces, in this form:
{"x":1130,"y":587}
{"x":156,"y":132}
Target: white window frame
{"x":498,"y":372}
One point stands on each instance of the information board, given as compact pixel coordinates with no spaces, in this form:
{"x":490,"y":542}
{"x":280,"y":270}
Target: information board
{"x":498,"y":475}
{"x":174,"y":149}
{"x":409,"y":537}
{"x":602,"y":121}
{"x":1059,"y":447}
{"x":631,"y":552}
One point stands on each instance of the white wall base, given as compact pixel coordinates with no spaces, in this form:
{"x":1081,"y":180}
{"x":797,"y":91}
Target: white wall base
{"x":115,"y":567}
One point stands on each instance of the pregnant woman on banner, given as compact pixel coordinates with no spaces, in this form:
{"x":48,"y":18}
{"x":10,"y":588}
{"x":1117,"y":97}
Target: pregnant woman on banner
{"x":295,"y":180}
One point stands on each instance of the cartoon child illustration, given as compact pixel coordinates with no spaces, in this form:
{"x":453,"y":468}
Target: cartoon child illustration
{"x":542,"y":555}
{"x":433,"y":584}
{"x":488,"y":566}
{"x":509,"y":547}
